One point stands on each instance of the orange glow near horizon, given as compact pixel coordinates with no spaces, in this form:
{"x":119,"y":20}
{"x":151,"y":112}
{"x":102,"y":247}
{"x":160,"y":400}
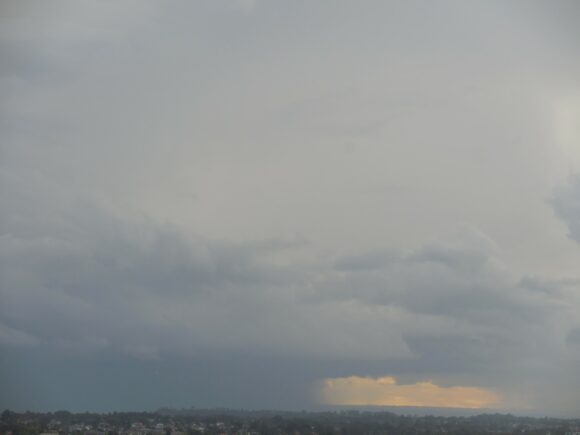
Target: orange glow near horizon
{"x":366,"y":391}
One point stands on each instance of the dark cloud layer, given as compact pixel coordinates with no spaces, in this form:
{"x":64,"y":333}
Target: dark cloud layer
{"x":138,"y":302}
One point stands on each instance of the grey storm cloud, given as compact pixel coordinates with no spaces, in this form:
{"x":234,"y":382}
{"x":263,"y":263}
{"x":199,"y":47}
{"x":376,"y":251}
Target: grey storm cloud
{"x":97,"y":285}
{"x":223,"y":203}
{"x":566,"y":203}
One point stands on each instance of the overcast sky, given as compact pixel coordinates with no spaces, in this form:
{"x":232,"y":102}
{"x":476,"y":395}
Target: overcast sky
{"x":290,"y":204}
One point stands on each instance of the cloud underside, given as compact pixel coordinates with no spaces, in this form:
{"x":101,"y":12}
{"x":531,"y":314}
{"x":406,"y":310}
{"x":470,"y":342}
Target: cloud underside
{"x":361,"y":391}
{"x":149,"y":292}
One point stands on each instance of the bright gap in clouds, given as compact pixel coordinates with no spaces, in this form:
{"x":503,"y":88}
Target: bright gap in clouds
{"x":566,"y":112}
{"x":385,"y":391}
